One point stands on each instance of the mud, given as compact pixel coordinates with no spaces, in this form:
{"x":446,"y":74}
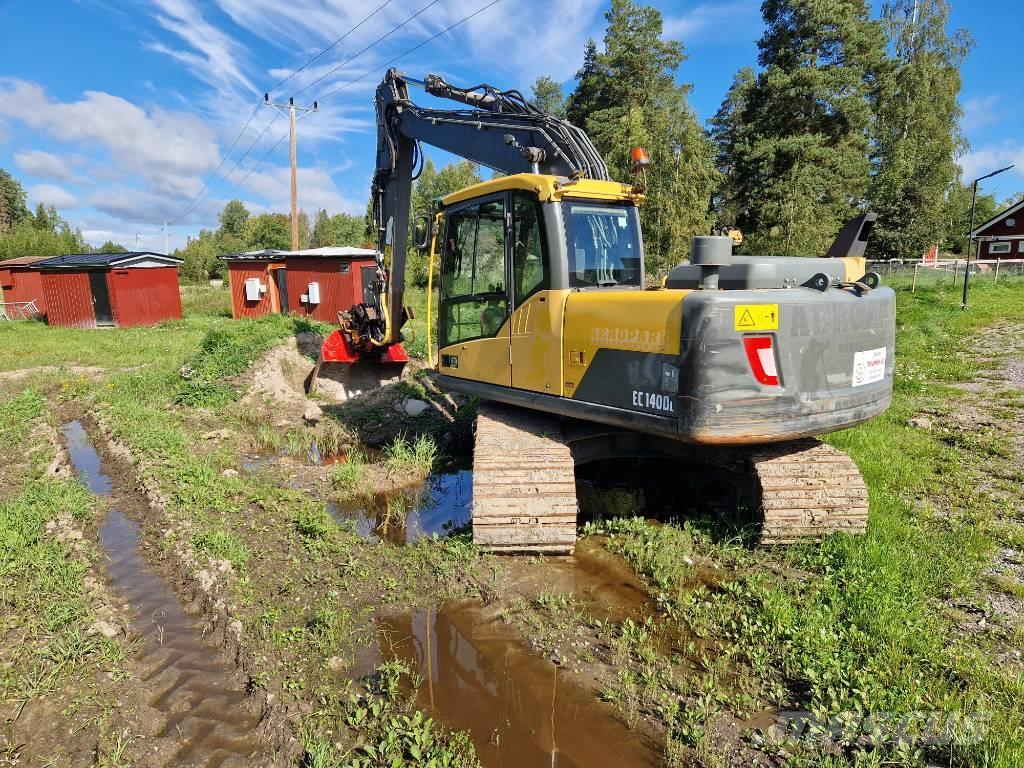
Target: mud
{"x":437,"y":507}
{"x":518,"y":709}
{"x":201,"y":713}
{"x":605,"y":583}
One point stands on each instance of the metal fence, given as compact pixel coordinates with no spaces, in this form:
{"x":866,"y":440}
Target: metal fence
{"x":18,"y":310}
{"x":912,"y":275}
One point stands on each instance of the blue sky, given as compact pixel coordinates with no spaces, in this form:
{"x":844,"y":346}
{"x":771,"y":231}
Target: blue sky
{"x":117,"y":111}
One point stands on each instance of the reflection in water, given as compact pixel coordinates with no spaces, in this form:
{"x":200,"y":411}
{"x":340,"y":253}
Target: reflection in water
{"x":203,"y":710}
{"x":443,"y":503}
{"x":519,"y":709}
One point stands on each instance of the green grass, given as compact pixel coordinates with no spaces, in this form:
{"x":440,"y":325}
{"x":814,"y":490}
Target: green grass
{"x":864,"y":632}
{"x":411,"y":457}
{"x":205,"y":300}
{"x":225,"y":352}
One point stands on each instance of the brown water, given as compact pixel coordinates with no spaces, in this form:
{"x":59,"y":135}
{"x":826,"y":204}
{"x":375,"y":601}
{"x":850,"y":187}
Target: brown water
{"x":205,"y":719}
{"x":520,"y":710}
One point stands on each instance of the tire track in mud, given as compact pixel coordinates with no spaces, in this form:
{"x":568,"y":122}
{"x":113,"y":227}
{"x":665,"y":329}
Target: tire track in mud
{"x":202,"y":717}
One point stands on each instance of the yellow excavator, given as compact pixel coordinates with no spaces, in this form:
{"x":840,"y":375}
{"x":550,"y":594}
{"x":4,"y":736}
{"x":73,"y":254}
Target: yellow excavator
{"x":545,"y":314}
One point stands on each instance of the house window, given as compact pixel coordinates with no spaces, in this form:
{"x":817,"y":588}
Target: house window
{"x":1020,"y":246}
{"x":344,"y":267}
{"x":994,"y":248}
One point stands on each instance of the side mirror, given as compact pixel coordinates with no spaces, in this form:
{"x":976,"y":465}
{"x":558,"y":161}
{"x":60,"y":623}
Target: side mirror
{"x":421,"y":233}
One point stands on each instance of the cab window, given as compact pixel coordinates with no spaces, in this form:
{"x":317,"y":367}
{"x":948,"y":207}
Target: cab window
{"x":604,"y":244}
{"x":530,"y":271}
{"x":474,"y":299}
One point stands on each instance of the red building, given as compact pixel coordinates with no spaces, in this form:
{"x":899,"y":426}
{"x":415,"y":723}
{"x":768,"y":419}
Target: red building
{"x":21,"y":284}
{"x":90,"y":290}
{"x":317,"y":282}
{"x":253,"y":279}
{"x":1002,"y":236}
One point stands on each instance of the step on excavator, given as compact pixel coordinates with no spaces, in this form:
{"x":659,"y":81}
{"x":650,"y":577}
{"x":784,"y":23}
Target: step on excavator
{"x":544,"y":314}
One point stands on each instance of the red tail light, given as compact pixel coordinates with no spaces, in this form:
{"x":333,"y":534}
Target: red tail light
{"x":761,"y":356}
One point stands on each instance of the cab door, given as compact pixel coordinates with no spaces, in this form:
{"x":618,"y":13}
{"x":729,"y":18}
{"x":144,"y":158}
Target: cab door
{"x":537,"y":316}
{"x":473,"y":313}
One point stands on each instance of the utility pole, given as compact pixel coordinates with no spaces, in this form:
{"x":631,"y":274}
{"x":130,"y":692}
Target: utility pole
{"x":292,"y":109}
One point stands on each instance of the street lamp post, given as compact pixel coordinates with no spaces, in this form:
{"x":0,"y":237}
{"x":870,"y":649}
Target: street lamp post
{"x":970,"y":232}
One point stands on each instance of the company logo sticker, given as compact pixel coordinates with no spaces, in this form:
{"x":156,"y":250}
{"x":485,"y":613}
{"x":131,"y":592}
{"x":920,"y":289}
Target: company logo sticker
{"x":868,"y":366}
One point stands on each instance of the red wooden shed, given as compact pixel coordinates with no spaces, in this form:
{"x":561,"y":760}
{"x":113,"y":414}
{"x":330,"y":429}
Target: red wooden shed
{"x":1002,"y":236}
{"x":21,"y":285}
{"x":254,"y":282}
{"x":89,"y":290}
{"x":316,"y":282}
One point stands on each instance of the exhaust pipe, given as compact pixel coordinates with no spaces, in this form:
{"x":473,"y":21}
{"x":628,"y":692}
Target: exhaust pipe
{"x":710,"y":253}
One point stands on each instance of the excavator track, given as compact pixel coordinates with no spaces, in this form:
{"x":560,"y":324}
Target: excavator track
{"x":524,"y":490}
{"x":807,"y":490}
{"x":524,"y":483}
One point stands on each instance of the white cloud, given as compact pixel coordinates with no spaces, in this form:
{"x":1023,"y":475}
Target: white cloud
{"x":212,"y":56}
{"x":989,"y":158}
{"x":166,"y":151}
{"x":43,"y":165}
{"x":713,"y":21}
{"x":51,"y":194}
{"x":317,"y":189}
{"x":981,"y":111}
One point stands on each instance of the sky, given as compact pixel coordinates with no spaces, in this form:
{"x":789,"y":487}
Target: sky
{"x":118,"y":112}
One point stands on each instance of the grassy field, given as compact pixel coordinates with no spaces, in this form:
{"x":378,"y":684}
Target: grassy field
{"x":887,"y":624}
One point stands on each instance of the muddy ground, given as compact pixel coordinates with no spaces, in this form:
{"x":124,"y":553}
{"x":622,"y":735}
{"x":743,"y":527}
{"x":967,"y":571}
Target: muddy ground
{"x":276,"y":583}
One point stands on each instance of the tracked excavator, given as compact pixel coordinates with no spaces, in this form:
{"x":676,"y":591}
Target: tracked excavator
{"x":544,"y":313}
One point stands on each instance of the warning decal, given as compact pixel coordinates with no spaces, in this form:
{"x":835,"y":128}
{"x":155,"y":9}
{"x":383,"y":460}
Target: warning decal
{"x":756,"y":317}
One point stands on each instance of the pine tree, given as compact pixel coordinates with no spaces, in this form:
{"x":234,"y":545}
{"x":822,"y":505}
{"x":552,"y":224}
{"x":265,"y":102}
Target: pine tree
{"x":627,"y":95}
{"x":584,"y":101}
{"x":547,"y":94}
{"x":916,"y":134}
{"x":795,"y":141}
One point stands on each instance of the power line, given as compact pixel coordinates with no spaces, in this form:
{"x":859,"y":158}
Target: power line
{"x":223,"y":160}
{"x":377,"y":10}
{"x":356,"y":80}
{"x":415,"y":48}
{"x":259,"y":162}
{"x":364,"y":50}
{"x":195,"y":202}
{"x":245,"y":154}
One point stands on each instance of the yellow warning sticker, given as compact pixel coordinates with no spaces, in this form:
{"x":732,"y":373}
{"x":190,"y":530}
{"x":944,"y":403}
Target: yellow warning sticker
{"x":756,"y":317}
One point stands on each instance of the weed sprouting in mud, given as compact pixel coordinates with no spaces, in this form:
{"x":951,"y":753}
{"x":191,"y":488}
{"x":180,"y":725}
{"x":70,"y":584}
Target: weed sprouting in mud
{"x":385,"y":729}
{"x":222,"y":545}
{"x":411,"y":457}
{"x":349,"y":477}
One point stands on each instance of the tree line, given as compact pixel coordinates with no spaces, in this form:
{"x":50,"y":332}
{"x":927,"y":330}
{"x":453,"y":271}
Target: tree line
{"x":845,"y":112}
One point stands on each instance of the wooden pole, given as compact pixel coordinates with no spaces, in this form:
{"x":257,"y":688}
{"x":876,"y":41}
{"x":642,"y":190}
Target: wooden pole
{"x":913,"y":286}
{"x":295,"y":182}
{"x":997,"y":269}
{"x":956,"y":266}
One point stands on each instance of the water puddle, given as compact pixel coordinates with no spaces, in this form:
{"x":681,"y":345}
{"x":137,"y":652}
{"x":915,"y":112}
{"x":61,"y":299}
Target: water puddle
{"x":519,"y":710}
{"x":205,"y":716}
{"x":442,"y":504}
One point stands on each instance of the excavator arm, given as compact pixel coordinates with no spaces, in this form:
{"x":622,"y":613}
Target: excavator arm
{"x":498,"y":129}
